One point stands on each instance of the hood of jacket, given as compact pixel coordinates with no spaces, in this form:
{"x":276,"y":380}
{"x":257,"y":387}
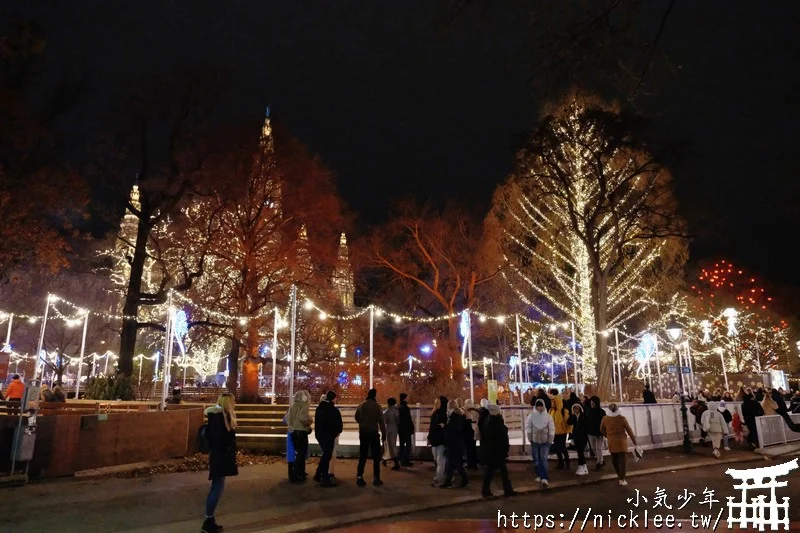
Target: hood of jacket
{"x":300,"y":404}
{"x":443,"y":404}
{"x":556,"y":403}
{"x":540,"y":420}
{"x":214,"y":409}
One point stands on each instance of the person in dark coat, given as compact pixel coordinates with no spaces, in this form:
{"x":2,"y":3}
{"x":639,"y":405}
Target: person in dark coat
{"x":580,"y":436}
{"x":542,"y":395}
{"x":471,"y":415}
{"x":454,"y":445}
{"x":327,"y":426}
{"x":483,"y":415}
{"x":572,"y":400}
{"x":594,"y":416}
{"x":494,"y":450}
{"x":750,"y":410}
{"x":648,"y":395}
{"x":436,"y":438}
{"x":697,"y":410}
{"x":371,"y":430}
{"x":783,"y":410}
{"x":405,"y":430}
{"x":221,"y":435}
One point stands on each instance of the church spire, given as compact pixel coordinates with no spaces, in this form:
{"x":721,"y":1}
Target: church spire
{"x":343,"y":277}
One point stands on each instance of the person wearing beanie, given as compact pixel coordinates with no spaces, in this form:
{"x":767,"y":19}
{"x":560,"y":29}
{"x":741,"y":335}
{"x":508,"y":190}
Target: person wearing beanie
{"x":436,"y":438}
{"x":494,"y":451}
{"x":327,"y":427}
{"x":616,"y":429}
{"x":715,"y":426}
{"x":405,"y":430}
{"x":371,"y":428}
{"x":541,"y":433}
{"x":722,"y":407}
{"x":391,"y":417}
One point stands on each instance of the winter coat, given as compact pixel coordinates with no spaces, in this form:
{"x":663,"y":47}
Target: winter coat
{"x":370,"y":417}
{"x":539,"y":427}
{"x":15,"y":390}
{"x":438,"y":421}
{"x":560,"y":416}
{"x":298,"y":417}
{"x":616,"y":429}
{"x":594,"y":416}
{"x":649,"y":396}
{"x":483,"y":416}
{"x":725,"y":414}
{"x":572,"y":400}
{"x":580,"y":425}
{"x":327,"y":421}
{"x":221,"y":445}
{"x":391,"y":418}
{"x":769,"y":406}
{"x":780,"y":402}
{"x":494,"y":441}
{"x":454,"y":434}
{"x":714,"y":422}
{"x":750,"y":410}
{"x":697,"y":410}
{"x":405,"y":425}
{"x":541,"y":395}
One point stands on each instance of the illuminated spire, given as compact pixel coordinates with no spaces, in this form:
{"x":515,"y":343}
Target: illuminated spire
{"x":343,"y":278}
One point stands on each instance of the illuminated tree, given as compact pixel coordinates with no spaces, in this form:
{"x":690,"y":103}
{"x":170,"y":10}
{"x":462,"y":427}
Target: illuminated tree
{"x":588,"y":223}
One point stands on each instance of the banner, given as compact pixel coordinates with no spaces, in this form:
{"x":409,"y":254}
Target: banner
{"x":492,"y":389}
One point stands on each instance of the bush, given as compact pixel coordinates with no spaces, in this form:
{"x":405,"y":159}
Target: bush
{"x":115,"y":387}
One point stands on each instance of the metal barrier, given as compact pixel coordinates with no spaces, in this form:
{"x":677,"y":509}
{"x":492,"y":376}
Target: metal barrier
{"x":772,"y":430}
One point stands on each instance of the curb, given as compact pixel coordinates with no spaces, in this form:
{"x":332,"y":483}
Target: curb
{"x":327,"y":523}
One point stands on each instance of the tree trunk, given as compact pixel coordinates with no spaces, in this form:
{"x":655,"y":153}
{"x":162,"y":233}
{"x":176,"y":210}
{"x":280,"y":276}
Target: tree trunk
{"x":249,"y":392}
{"x":233,"y":365}
{"x":604,"y":362}
{"x":130,"y":326}
{"x":453,"y":350}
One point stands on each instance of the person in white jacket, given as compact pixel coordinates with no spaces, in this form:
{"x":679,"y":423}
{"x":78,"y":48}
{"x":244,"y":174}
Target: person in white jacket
{"x":541,"y":432}
{"x":715,"y":425}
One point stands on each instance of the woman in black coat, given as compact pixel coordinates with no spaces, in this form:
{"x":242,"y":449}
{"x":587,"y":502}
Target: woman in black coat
{"x":580,"y":436}
{"x":750,"y":410}
{"x":221,"y":436}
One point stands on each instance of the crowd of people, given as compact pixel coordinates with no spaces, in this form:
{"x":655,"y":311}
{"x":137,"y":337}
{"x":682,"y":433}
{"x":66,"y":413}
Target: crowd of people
{"x":16,"y":390}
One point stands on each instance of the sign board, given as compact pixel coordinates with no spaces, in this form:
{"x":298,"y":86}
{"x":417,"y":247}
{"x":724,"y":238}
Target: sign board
{"x":672,"y":369}
{"x":492,"y":389}
{"x":30,"y":399}
{"x":5,"y":359}
{"x":686,"y":370}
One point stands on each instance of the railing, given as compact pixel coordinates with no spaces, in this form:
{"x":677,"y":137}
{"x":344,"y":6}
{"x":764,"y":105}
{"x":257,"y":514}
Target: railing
{"x":772,"y":430}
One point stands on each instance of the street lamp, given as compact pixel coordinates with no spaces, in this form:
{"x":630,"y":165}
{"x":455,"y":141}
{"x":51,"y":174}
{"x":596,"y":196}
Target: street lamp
{"x":675,"y":333}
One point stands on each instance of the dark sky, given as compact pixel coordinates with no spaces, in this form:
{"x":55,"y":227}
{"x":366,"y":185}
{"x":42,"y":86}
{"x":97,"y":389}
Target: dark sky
{"x":396,"y":107}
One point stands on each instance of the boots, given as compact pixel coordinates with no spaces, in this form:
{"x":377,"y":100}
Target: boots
{"x":396,"y":464}
{"x":291,"y":472}
{"x":210,"y":526}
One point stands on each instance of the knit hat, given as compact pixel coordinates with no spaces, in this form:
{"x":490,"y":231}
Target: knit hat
{"x":330,"y":396}
{"x":372,"y":394}
{"x":721,"y":405}
{"x":494,"y":410}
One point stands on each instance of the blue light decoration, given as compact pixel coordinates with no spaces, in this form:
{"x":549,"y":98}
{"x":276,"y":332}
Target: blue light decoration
{"x":264,"y":349}
{"x":358,"y":351}
{"x":426,"y":349}
{"x":513,"y":361}
{"x":342,"y":379}
{"x":410,"y":362}
{"x":646,"y":348}
{"x":357,"y":380}
{"x":464,"y":326}
{"x":181,"y":324}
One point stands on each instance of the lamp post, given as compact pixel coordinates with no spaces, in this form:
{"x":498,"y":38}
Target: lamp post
{"x":675,"y":333}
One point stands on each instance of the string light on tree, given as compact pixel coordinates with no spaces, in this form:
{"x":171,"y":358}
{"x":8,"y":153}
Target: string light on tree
{"x":706,"y":325}
{"x":731,"y":315}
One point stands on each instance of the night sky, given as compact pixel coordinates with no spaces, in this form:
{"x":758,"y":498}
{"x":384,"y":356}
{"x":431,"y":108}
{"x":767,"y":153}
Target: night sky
{"x":396,"y":107}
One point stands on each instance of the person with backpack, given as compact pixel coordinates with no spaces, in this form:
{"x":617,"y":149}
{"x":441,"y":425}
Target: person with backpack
{"x":560,"y":416}
{"x":220,"y":436}
{"x":327,"y":427}
{"x":715,"y":426}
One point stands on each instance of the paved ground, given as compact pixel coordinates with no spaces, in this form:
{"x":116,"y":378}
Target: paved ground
{"x":261,"y":499}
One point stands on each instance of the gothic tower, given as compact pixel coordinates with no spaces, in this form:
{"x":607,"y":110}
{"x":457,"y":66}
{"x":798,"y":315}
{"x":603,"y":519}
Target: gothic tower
{"x":343,"y":278}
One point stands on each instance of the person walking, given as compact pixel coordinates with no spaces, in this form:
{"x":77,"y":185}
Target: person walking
{"x":327,"y":428}
{"x":454,"y":445}
{"x":648,"y":395}
{"x":541,"y":432}
{"x":470,"y":431}
{"x":221,"y":435}
{"x":560,"y":417}
{"x":494,"y":451}
{"x":299,"y":421}
{"x":405,"y":430}
{"x":391,"y":418}
{"x":436,"y":438}
{"x":580,"y":436}
{"x":594,"y":416}
{"x":616,"y":429}
{"x":715,"y":426}
{"x":370,"y":429}
{"x":15,"y":389}
{"x":750,"y":410}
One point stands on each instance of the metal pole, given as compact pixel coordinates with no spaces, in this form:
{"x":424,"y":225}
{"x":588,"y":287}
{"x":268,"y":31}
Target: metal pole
{"x":8,"y":333}
{"x":491,"y":368}
{"x":80,"y":360}
{"x":471,"y":382}
{"x":275,"y":321}
{"x":691,"y":366}
{"x":687,"y":440}
{"x":105,"y":368}
{"x":371,"y":341}
{"x":519,"y":348}
{"x":292,"y":343}
{"x":167,"y":345}
{"x":41,"y":340}
{"x":552,"y":369}
{"x":574,"y":356}
{"x":619,"y":362}
{"x":658,"y":369}
{"x":141,"y":358}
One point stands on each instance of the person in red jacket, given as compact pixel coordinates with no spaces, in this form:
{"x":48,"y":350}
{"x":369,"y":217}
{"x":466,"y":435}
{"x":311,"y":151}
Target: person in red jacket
{"x":15,"y":389}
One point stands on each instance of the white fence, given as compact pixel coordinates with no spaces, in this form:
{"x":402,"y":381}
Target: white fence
{"x":772,"y":430}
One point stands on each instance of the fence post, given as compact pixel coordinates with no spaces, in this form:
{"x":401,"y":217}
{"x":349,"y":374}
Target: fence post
{"x":522,"y":427}
{"x":416,"y":428}
{"x":760,"y":432}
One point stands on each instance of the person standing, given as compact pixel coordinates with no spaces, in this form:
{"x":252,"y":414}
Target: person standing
{"x":221,"y":436}
{"x":648,"y":395}
{"x":722,"y":407}
{"x":594,"y":416}
{"x":541,"y":432}
{"x":470,"y":431}
{"x":580,"y":436}
{"x":616,"y":429}
{"x":405,"y":430}
{"x":436,"y":438}
{"x":750,"y":410}
{"x":15,"y":389}
{"x":494,"y":451}
{"x":560,"y":417}
{"x":327,"y":427}
{"x":370,"y":428}
{"x":454,"y":445}
{"x":715,"y":426}
{"x":299,"y":421}
{"x":391,"y":418}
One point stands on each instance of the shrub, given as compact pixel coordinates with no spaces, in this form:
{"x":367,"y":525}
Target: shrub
{"x":117,"y":387}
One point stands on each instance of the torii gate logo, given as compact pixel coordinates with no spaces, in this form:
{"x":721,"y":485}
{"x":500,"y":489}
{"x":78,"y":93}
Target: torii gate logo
{"x":760,"y":512}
